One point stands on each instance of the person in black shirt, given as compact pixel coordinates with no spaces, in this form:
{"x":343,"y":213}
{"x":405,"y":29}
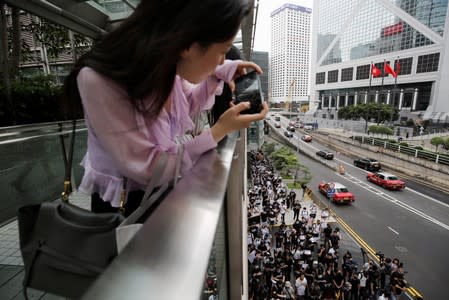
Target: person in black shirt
{"x":355,"y":282}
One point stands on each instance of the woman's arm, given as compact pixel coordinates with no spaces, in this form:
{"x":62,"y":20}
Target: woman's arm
{"x":202,"y":96}
{"x":116,"y":125}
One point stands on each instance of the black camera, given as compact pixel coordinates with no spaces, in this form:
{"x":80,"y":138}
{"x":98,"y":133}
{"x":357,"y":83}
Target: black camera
{"x":248,"y":89}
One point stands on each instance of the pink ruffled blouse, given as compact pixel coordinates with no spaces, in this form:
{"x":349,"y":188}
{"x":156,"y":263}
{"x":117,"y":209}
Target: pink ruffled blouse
{"x":122,"y":143}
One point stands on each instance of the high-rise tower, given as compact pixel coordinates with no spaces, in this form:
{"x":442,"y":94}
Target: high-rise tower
{"x":290,"y":54}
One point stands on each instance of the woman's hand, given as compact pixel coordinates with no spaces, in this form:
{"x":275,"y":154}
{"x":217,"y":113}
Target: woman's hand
{"x":232,"y":120}
{"x":241,"y":70}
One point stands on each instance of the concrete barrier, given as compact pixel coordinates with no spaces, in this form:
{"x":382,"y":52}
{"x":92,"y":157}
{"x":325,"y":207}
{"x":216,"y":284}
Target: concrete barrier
{"x":407,"y":164}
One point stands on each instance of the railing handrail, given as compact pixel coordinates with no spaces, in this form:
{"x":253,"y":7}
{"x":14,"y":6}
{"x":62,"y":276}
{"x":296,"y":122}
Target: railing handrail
{"x":35,"y":126}
{"x":174,"y":244}
{"x":21,"y":133}
{"x":436,"y":157}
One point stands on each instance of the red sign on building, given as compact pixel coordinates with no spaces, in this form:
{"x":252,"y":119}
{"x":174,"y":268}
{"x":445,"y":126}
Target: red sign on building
{"x":393,"y":29}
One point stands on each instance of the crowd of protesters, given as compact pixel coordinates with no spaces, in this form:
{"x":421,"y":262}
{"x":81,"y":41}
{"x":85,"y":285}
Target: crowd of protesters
{"x":300,"y":258}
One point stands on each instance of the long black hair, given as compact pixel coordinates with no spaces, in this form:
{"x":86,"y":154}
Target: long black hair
{"x":142,"y":53}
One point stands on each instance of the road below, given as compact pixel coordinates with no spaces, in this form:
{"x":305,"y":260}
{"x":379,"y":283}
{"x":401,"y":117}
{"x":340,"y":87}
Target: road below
{"x":412,"y":225}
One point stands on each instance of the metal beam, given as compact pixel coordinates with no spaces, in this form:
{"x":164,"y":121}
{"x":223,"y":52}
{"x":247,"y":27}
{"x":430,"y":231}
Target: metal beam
{"x":82,"y":18}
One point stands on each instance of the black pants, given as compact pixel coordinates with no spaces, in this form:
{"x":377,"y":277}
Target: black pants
{"x":132,"y":203}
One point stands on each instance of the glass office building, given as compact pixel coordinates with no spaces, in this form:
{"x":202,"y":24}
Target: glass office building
{"x":351,"y":35}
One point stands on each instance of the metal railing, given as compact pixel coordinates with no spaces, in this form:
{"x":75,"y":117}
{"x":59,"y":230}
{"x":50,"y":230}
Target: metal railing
{"x":437,"y":158}
{"x":169,"y":256}
{"x":196,"y":232}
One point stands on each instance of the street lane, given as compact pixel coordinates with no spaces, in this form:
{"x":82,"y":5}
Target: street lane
{"x":401,"y":224}
{"x":419,"y":243}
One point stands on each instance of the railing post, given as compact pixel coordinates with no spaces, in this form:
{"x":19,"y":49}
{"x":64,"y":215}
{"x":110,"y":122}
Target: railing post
{"x":416,"y":153}
{"x":399,"y":148}
{"x":436,"y":160}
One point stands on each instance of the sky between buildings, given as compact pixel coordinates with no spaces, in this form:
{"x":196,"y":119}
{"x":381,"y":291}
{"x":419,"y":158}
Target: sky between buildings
{"x":263,"y":28}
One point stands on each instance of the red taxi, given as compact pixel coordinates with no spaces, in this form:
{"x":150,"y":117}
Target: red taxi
{"x":337,"y":192}
{"x":386,"y":180}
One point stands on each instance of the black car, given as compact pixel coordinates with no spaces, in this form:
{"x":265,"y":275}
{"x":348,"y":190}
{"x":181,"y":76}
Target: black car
{"x":325,"y":154}
{"x":291,"y":128}
{"x":370,"y":164}
{"x":288,"y":134}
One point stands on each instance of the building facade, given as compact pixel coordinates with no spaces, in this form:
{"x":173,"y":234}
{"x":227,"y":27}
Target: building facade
{"x":409,"y":35}
{"x":290,"y":54}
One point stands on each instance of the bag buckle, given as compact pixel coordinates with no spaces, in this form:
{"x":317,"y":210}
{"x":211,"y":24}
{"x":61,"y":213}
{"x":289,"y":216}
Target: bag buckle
{"x":122,"y":201}
{"x":65,"y":194}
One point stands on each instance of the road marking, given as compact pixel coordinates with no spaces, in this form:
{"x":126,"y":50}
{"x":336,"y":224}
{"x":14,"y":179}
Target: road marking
{"x":394,"y":200}
{"x":393,"y":230}
{"x":407,"y":188}
{"x":427,"y":197}
{"x":387,"y":197}
{"x":410,"y":290}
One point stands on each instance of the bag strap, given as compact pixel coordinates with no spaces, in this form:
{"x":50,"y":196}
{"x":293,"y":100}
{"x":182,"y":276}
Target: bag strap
{"x":67,"y":162}
{"x":161,"y":162}
{"x":149,"y":197}
{"x":178,"y":163}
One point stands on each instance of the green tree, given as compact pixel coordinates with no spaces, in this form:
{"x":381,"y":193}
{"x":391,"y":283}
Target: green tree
{"x":437,"y":141}
{"x":268,"y":148}
{"x":446,"y":143}
{"x":14,"y":49}
{"x":367,"y":111}
{"x":284,"y":159}
{"x":10,"y":45}
{"x":386,"y":112}
{"x":302,"y":175}
{"x":381,"y":129}
{"x":56,"y":38}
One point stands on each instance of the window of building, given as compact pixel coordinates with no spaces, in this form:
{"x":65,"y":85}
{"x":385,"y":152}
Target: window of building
{"x":320,"y":78}
{"x":428,"y":63}
{"x":31,"y":71}
{"x":362,"y":72}
{"x":60,"y":71}
{"x":346,"y":74}
{"x":332,"y":76}
{"x":405,"y":66}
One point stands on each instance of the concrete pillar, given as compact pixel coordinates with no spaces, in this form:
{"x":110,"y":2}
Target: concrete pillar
{"x":376,"y":99}
{"x":356,"y":96}
{"x":338,"y":101}
{"x":401,"y":98}
{"x":346,"y":99}
{"x":415,"y":99}
{"x":388,"y":96}
{"x":322,"y":101}
{"x":330,"y":102}
{"x":366,"y":97}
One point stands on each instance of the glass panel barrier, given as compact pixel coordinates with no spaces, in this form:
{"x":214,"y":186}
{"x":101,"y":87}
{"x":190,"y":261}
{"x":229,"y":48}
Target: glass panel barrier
{"x":31,"y":163}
